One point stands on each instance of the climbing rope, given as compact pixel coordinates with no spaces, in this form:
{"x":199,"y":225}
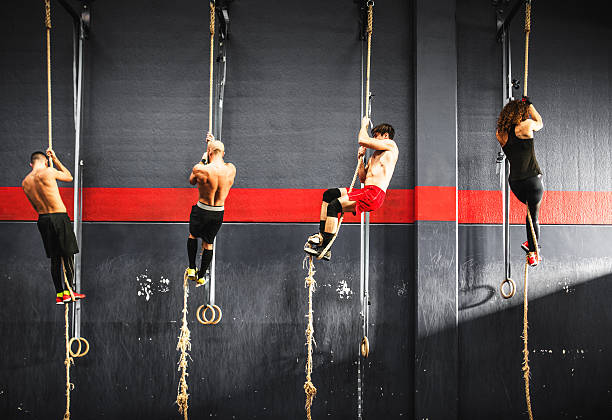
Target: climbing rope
{"x":309,"y":388}
{"x":367,"y":107}
{"x":184,"y":345}
{"x":48,"y":26}
{"x":67,"y":362}
{"x":527,"y":32}
{"x":212,"y":48}
{"x":526,"y":371}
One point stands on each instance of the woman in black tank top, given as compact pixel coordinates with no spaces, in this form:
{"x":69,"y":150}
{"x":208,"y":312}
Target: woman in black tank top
{"x":515,"y":126}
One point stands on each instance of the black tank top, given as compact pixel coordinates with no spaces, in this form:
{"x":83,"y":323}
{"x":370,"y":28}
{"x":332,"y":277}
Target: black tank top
{"x":521,"y":155}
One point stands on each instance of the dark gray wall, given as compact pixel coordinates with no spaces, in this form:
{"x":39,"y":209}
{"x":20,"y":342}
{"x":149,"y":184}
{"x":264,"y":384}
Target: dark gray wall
{"x":570,"y":83}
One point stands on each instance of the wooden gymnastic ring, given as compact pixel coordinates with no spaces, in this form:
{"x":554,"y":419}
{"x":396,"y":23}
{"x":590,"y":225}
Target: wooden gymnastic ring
{"x":512,"y":288}
{"x":365,"y":346}
{"x":78,"y":353}
{"x":204,"y":320}
{"x":220,"y":315}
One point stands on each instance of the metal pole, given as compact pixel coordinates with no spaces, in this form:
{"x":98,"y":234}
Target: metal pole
{"x":78,"y":167}
{"x":218,"y":124}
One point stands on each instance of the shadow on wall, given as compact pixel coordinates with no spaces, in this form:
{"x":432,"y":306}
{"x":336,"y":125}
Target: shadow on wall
{"x":569,"y":352}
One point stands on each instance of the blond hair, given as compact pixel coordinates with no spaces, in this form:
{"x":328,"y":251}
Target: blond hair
{"x":216,"y":146}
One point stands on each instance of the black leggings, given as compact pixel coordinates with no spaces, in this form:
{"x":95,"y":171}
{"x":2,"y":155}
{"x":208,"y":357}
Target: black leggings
{"x":57,"y":272}
{"x":530,"y":191}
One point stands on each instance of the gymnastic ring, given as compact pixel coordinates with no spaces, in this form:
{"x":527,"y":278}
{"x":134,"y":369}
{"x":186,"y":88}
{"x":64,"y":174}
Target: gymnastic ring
{"x":204,"y":321}
{"x":78,"y":353}
{"x":365,"y":346}
{"x":512,"y":288}
{"x":219,"y":316}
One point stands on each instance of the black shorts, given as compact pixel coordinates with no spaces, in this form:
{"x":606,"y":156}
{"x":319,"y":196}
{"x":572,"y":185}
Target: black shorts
{"x":205,"y":223}
{"x":57,"y":235}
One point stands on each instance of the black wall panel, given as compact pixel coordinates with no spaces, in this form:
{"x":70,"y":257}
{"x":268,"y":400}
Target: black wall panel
{"x":569,"y":82}
{"x":568,"y":313}
{"x":251,"y":365}
{"x":292,"y":98}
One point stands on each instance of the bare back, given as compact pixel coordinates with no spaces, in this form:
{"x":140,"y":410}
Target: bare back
{"x":380,"y":168}
{"x":214,"y":181}
{"x":40,"y":186}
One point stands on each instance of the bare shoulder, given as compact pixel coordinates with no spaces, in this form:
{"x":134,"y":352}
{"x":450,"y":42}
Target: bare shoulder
{"x":231,"y":167}
{"x":524,"y":130}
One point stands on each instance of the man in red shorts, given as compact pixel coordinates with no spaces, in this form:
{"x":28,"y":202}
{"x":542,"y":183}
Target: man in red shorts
{"x":375,"y":176}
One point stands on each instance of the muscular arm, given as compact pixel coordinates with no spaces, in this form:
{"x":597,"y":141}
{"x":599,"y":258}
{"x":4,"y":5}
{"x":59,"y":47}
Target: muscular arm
{"x":362,"y":168}
{"x":62,"y":173}
{"x":195,"y":172}
{"x":536,"y":119}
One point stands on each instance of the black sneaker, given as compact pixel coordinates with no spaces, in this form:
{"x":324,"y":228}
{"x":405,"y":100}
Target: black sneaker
{"x":316,"y":251}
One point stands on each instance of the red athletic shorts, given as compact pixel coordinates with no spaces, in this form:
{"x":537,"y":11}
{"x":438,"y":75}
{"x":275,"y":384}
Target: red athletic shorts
{"x":369,"y":198}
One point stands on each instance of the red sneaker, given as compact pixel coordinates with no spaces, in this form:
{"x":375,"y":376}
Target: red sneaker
{"x":67,"y":298}
{"x":78,"y":296}
{"x":525,"y":246}
{"x":59,"y":299}
{"x":533,"y":260}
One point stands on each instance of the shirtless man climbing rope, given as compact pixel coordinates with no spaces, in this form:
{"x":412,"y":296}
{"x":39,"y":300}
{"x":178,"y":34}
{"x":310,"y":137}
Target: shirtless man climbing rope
{"x":376,"y":176}
{"x":214,"y":180}
{"x":40,"y":186}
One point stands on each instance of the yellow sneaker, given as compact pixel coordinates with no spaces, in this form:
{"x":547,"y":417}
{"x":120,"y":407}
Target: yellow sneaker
{"x":191,"y":274}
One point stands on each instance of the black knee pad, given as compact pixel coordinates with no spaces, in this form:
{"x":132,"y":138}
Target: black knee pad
{"x":331,"y":194}
{"x":334,"y":208}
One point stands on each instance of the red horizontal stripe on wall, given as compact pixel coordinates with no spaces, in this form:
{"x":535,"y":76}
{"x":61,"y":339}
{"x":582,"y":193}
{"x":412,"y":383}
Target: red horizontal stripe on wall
{"x":174,"y":205}
{"x":302,"y":205}
{"x":435,"y":203}
{"x":558,"y":207}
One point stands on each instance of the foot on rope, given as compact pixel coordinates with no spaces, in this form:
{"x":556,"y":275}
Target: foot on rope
{"x":316,"y":239}
{"x":316,"y":250}
{"x":191,"y":274}
{"x":534,"y":259}
{"x":203,"y":278}
{"x":525,"y":247}
{"x":66,"y":298}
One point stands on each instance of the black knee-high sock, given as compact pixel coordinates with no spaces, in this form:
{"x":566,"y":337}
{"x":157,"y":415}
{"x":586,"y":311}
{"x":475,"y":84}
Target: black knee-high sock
{"x":192,"y":250}
{"x":322,"y":226}
{"x":326,"y":238}
{"x":69,"y":268}
{"x":207,"y":255}
{"x":56,"y":274}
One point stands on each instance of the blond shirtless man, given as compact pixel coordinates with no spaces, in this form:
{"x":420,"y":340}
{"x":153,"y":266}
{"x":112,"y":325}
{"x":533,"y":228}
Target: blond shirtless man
{"x":214,"y":178}
{"x":375,"y":176}
{"x":40,"y":186}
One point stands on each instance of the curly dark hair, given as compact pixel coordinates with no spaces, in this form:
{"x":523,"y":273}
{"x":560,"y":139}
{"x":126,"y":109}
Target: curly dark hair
{"x":513,"y":113}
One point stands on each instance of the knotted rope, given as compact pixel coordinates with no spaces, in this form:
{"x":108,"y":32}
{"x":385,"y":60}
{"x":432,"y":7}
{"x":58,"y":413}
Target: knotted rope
{"x":309,"y":388}
{"x":67,"y":362}
{"x":526,"y":371}
{"x":184,"y":345}
{"x":212,"y":48}
{"x":367,"y":107}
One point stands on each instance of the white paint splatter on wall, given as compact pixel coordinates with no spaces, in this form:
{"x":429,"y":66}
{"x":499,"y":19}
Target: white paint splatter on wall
{"x":147,"y":287}
{"x":344,"y":292}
